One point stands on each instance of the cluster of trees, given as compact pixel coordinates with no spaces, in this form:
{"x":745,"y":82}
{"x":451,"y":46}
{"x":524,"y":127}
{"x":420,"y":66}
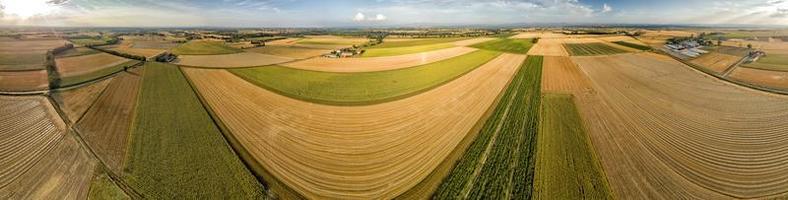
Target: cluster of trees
{"x":121,"y":54}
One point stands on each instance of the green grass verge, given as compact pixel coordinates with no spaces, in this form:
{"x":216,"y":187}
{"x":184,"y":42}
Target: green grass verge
{"x":500,"y":161}
{"x":102,"y":187}
{"x":377,"y":52}
{"x":773,"y":62}
{"x":567,"y":167}
{"x":199,"y":47}
{"x":592,"y":49}
{"x":633,"y":45}
{"x":362,"y":88}
{"x":73,"y":80}
{"x":177,"y":152}
{"x":416,"y":42}
{"x":519,"y":46}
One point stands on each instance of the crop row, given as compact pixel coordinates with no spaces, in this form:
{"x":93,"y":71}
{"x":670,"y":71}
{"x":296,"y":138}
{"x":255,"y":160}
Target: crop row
{"x":633,"y":45}
{"x":499,"y":163}
{"x":592,"y":49}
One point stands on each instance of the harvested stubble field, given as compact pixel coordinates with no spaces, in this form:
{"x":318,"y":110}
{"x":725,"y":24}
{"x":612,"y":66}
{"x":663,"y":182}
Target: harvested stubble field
{"x":105,"y":126}
{"x":245,"y":59}
{"x":378,"y":63}
{"x":204,"y":47}
{"x":499,"y":163}
{"x":16,"y":55}
{"x":80,"y":69}
{"x":658,"y":137}
{"x":24,"y":81}
{"x":542,"y":35}
{"x":77,"y":51}
{"x":362,"y":88}
{"x":290,"y":52}
{"x":520,"y":46}
{"x":562,"y":75}
{"x":592,"y":49}
{"x":765,"y":78}
{"x":176,"y":151}
{"x":74,"y":102}
{"x":363,"y":152}
{"x":548,"y":47}
{"x":716,"y":62}
{"x":419,"y":45}
{"x":566,"y":165}
{"x":773,"y":62}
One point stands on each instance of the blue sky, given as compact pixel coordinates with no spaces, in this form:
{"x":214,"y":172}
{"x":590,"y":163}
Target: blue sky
{"x":332,"y":13}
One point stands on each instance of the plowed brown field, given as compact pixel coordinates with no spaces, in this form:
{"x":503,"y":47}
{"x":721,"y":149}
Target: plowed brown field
{"x":106,"y":125}
{"x":765,"y":78}
{"x":24,"y":81}
{"x":363,"y":152}
{"x":378,"y":63}
{"x":560,"y":74}
{"x":246,"y":59}
{"x":663,"y":130}
{"x":716,"y":62}
{"x":75,"y":102}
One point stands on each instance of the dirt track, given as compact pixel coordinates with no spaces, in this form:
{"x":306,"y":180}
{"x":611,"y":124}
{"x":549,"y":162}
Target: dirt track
{"x":364,"y":152}
{"x":663,"y":130}
{"x":378,"y":63}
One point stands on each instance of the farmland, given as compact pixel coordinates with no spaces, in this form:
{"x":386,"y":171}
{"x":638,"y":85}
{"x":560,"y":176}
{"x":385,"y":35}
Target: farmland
{"x":561,"y":75}
{"x":548,"y":47}
{"x":175,"y":149}
{"x":366,"y":87}
{"x":80,"y":69}
{"x":566,"y":166}
{"x":633,"y":45}
{"x":716,"y":62}
{"x":591,"y":49}
{"x":773,"y":62}
{"x":715,"y":144}
{"x":75,"y":102}
{"x":246,"y":59}
{"x":21,"y":55}
{"x":520,"y":46}
{"x":403,"y":47}
{"x":765,"y":78}
{"x":24,"y":81}
{"x":378,"y":63}
{"x":395,"y":43}
{"x":374,"y":149}
{"x":393,"y":51}
{"x":290,"y":52}
{"x":204,"y":47}
{"x":499,"y":163}
{"x":78,"y":51}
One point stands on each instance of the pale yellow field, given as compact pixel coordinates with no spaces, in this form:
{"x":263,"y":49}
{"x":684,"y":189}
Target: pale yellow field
{"x":246,"y":59}
{"x":548,"y":47}
{"x":364,"y":152}
{"x":542,"y":35}
{"x":560,"y":74}
{"x":77,"y":65}
{"x":378,"y":63}
{"x":716,"y":62}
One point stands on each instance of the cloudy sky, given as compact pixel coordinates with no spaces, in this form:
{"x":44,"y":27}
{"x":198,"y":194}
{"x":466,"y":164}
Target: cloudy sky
{"x":333,"y":13}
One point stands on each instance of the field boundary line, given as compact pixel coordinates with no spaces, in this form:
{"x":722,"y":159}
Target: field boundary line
{"x":730,"y":69}
{"x":254,"y":167}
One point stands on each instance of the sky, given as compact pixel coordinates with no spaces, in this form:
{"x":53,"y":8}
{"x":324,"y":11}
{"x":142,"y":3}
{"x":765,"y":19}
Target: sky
{"x":375,"y":13}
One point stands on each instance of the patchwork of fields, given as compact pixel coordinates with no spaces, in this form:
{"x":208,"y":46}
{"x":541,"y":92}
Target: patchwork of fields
{"x":591,"y":49}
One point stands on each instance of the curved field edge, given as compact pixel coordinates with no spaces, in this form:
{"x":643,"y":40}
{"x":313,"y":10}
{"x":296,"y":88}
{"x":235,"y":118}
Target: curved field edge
{"x":515,"y":120}
{"x":362,"y":88}
{"x":567,"y":166}
{"x":273,"y":186}
{"x":163,"y":163}
{"x":395,"y":51}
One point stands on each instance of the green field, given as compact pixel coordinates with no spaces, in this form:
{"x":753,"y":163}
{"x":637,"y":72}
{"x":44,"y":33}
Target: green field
{"x":73,"y":80}
{"x":566,"y":166}
{"x":393,"y":51}
{"x":177,"y":152}
{"x":499,"y":164}
{"x":519,"y":46}
{"x":200,"y":47}
{"x":416,"y":42}
{"x":592,"y":49}
{"x":362,"y":88}
{"x":102,"y":187}
{"x":774,"y":62}
{"x":18,"y":61}
{"x":633,"y":45}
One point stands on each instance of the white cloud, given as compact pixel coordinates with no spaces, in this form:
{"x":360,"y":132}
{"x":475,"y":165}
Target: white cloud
{"x":606,"y":8}
{"x":380,"y":17}
{"x":360,"y":17}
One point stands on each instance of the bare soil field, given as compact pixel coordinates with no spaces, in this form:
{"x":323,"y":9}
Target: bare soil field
{"x":246,"y":59}
{"x":290,"y":52}
{"x":659,"y":136}
{"x":24,"y":81}
{"x":63,"y":173}
{"x":361,"y":152}
{"x":18,"y":55}
{"x":766,"y":78}
{"x":560,"y":74}
{"x":30,"y":129}
{"x":75,"y":102}
{"x":548,"y":47}
{"x":716,"y":62}
{"x":378,"y":63}
{"x":106,"y":125}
